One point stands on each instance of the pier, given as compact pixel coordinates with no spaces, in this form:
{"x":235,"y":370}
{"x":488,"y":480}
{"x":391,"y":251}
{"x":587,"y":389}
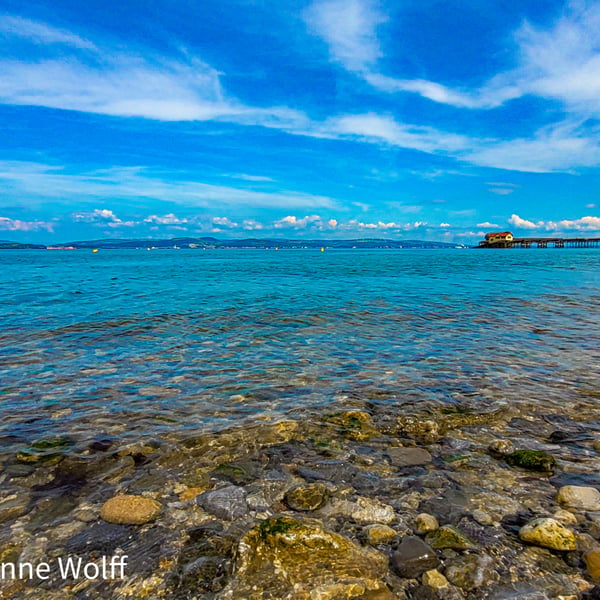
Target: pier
{"x":505,"y":239}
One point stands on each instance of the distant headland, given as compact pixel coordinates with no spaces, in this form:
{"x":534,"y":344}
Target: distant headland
{"x":214,"y":243}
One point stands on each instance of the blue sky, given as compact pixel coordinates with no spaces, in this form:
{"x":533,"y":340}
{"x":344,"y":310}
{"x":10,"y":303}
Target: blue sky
{"x":419,"y":119}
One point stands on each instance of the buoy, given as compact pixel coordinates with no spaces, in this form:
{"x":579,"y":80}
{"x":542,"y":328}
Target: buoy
{"x":276,"y":248}
{"x":95,"y":250}
{"x":322,"y":249}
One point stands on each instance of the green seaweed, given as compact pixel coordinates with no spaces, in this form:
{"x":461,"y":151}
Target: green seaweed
{"x":532,"y":460}
{"x":277,"y":525}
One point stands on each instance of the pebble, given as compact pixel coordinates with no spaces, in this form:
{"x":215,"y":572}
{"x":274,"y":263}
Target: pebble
{"x":548,"y":533}
{"x":424,"y":523}
{"x":413,"y":557}
{"x":566,"y":517}
{"x":130,"y":510}
{"x":434,"y":579}
{"x":376,"y":534}
{"x":579,"y":497}
{"x":501,"y":447}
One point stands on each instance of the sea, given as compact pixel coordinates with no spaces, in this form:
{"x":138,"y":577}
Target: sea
{"x":138,"y":345}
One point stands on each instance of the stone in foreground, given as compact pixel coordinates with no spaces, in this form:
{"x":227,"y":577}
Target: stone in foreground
{"x":127,"y":509}
{"x":579,"y":497}
{"x":287,"y":558}
{"x":413,"y":557}
{"x":548,"y":533}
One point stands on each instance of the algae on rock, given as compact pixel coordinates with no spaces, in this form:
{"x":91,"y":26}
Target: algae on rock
{"x":297,"y":559}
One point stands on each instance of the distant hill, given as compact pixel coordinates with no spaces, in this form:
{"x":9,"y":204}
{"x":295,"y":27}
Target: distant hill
{"x":211,"y":242}
{"x":4,"y":245}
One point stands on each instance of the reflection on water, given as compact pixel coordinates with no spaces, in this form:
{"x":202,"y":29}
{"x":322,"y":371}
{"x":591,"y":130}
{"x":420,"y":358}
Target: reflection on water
{"x":140,"y":344}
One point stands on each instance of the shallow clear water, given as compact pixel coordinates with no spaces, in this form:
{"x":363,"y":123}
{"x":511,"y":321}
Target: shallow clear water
{"x":136,"y":343}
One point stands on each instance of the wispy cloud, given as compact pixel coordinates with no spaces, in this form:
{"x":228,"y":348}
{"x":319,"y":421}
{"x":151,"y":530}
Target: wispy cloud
{"x":488,"y":225}
{"x":8,"y":224}
{"x":350,"y":29}
{"x":40,"y":33}
{"x":44,"y":181}
{"x":561,"y":62}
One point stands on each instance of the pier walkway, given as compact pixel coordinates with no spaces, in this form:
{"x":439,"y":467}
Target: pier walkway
{"x":539,"y":242}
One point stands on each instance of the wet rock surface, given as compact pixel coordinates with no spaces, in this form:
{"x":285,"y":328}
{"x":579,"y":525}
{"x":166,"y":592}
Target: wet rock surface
{"x":358,"y":504}
{"x":413,"y":557}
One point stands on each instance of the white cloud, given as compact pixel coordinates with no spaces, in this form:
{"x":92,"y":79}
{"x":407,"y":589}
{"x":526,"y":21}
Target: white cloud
{"x":383,"y":226}
{"x":349,"y":27}
{"x":224,"y":222}
{"x":583,"y":224}
{"x":102,"y":216}
{"x":296,"y":223}
{"x":252,"y":225}
{"x":488,"y":225}
{"x":588,"y":223}
{"x":168,"y":219}
{"x":8,"y":224}
{"x":501,"y":191}
{"x":40,"y":33}
{"x":521,"y":223}
{"x":246,"y":177}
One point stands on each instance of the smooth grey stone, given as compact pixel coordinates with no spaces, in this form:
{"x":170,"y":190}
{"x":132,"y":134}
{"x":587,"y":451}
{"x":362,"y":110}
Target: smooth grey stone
{"x":227,"y":503}
{"x":408,"y":457}
{"x":413,"y":557}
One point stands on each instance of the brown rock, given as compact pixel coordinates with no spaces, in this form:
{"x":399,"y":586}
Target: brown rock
{"x":130,"y":510}
{"x":592,"y":562}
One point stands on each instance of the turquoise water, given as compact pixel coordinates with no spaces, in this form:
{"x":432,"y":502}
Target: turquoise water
{"x":135,"y":343}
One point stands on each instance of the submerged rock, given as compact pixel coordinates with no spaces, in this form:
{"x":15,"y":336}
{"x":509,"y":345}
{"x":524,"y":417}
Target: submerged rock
{"x":413,"y":557}
{"x":425,"y":430}
{"x":548,"y":533}
{"x":449,"y":536}
{"x":408,"y":457}
{"x":290,"y":558}
{"x":378,"y":534}
{"x":501,"y":448}
{"x":227,"y":503}
{"x":592,"y":562}
{"x":424,"y":523}
{"x":579,"y":497}
{"x":130,"y":510}
{"x":532,"y":460}
{"x":472,"y":571}
{"x":307,"y":497}
{"x":354,"y":424}
{"x":434,"y":579}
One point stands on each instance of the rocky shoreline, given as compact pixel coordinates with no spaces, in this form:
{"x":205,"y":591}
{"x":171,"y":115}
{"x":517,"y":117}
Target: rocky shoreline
{"x":366,"y":501}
